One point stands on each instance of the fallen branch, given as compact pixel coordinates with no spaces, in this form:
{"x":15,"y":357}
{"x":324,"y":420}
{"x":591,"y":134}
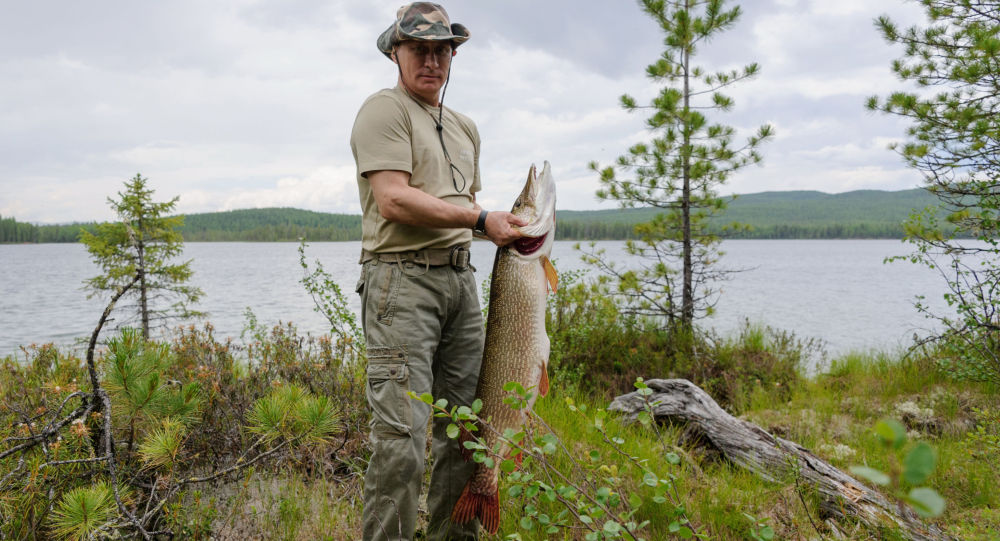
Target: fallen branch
{"x":749,"y":446}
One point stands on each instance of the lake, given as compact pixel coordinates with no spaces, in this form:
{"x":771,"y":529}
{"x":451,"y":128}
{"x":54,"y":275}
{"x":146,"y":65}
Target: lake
{"x":835,"y":290}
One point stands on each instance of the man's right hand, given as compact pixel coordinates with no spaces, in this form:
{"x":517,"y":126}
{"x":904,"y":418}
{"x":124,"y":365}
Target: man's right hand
{"x":500,"y":227}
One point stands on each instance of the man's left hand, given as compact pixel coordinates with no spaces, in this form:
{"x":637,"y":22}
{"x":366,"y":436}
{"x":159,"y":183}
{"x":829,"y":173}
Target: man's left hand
{"x":500,"y":227}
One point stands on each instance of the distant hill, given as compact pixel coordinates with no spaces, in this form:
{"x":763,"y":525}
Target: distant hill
{"x":792,"y":214}
{"x":271,"y":224}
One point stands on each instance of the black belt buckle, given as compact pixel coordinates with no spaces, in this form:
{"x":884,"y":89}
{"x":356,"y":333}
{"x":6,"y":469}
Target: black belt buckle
{"x":459,"y":258}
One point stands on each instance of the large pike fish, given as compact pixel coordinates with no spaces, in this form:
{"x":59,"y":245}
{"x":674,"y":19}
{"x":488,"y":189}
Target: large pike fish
{"x":517,"y":347}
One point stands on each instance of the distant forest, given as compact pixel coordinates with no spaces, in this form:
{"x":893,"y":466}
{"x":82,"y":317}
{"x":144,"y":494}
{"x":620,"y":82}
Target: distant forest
{"x":863,"y":214}
{"x":269,"y":225}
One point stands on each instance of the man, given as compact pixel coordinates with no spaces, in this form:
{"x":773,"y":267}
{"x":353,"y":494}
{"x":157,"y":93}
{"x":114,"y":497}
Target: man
{"x":418,"y":174}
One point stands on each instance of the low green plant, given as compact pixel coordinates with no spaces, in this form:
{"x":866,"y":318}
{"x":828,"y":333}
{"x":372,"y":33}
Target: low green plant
{"x":86,"y":512}
{"x":191,"y":515}
{"x":142,"y":395}
{"x":329,"y":300}
{"x":290,"y":515}
{"x":605,"y":490}
{"x":292,"y":413}
{"x":984,"y":440}
{"x":595,"y":347}
{"x":760,"y":530}
{"x":234,"y":375}
{"x":161,"y":447}
{"x":759,"y":363}
{"x":592,"y":344}
{"x":906,"y":471}
{"x":58,"y":479}
{"x":971,"y":352}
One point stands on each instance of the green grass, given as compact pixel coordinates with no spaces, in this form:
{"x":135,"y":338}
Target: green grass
{"x":859,"y":389}
{"x":831,"y":414}
{"x":757,"y":375}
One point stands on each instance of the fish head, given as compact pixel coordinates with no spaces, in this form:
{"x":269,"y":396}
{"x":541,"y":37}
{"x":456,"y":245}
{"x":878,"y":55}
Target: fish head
{"x":537,"y":206}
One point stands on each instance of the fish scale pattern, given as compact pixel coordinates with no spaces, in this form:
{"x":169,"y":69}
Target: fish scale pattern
{"x":517,"y":346}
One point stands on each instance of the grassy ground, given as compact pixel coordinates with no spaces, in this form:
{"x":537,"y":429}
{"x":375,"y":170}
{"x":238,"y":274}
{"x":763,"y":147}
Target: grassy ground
{"x":831,"y":414}
{"x":315,"y":492}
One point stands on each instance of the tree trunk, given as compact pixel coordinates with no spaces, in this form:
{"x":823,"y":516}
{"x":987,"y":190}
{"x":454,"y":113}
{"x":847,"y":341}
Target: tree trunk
{"x":143,"y":288}
{"x":749,"y":446}
{"x":687,"y":290}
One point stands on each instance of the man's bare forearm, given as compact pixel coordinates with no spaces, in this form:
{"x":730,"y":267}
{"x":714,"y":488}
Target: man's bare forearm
{"x":401,"y":203}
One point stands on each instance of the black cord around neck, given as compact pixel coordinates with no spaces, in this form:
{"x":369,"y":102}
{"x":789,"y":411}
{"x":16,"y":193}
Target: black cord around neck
{"x":438,"y":125}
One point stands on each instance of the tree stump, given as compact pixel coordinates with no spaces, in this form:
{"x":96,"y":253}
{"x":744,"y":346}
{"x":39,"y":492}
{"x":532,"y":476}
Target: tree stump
{"x":749,"y":446}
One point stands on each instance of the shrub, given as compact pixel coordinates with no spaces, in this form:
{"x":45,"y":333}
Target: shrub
{"x":759,"y":359}
{"x":180,"y":413}
{"x":600,"y":350}
{"x":593,"y":487}
{"x":236,"y":375}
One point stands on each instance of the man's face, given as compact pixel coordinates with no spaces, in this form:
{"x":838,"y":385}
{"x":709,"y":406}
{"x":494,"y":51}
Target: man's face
{"x":423,"y":67}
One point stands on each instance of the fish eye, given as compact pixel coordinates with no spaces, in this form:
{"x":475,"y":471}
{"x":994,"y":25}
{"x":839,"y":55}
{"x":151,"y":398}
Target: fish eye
{"x":517,"y":203}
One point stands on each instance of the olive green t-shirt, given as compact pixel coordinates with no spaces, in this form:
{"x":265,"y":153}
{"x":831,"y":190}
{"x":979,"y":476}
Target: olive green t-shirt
{"x":396,"y":132}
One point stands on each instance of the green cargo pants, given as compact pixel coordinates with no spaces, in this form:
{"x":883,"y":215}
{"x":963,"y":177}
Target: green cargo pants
{"x":424,"y":331}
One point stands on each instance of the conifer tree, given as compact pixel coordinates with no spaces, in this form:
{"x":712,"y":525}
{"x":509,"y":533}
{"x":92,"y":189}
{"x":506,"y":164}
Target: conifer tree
{"x":140,"y":246}
{"x":680,"y":169}
{"x":954,"y":142}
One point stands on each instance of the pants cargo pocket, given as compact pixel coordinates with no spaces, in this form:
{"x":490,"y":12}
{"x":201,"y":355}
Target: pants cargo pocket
{"x":389,"y":278}
{"x":360,"y":286}
{"x":388,"y":385}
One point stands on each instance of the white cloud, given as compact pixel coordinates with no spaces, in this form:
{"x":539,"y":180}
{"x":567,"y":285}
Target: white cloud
{"x":251,"y":102}
{"x":328,"y":189}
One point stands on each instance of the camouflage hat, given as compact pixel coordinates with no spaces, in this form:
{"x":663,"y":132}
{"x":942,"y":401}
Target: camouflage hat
{"x":422,"y":21}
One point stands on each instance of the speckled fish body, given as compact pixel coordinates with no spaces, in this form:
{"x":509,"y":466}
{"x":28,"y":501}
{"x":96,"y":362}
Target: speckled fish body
{"x":517,"y":346}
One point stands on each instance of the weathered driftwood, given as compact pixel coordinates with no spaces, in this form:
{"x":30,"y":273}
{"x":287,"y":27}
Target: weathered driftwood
{"x":749,"y":446}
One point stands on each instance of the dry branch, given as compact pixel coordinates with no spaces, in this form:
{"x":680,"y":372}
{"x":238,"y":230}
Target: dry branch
{"x":749,"y":446}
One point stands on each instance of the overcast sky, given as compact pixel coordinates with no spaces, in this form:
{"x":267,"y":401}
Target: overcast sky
{"x":233,"y":104}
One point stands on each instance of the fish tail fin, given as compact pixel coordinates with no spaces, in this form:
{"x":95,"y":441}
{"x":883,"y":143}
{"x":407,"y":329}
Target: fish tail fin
{"x":485,"y":507}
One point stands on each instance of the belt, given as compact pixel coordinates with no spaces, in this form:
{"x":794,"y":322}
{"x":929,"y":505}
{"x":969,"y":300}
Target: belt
{"x":456,"y":256}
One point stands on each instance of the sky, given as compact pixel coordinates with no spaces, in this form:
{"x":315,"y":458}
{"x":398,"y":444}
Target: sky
{"x":234,"y":104}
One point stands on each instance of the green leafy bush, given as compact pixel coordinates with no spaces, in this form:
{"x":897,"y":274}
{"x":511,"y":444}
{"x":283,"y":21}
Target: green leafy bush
{"x":178,"y":413}
{"x":907,"y":471}
{"x":597,"y":348}
{"x":236,"y":375}
{"x":984,"y":440}
{"x":569,"y":488}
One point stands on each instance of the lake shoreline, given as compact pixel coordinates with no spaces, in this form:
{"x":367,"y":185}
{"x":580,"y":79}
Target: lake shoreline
{"x":838,"y":291}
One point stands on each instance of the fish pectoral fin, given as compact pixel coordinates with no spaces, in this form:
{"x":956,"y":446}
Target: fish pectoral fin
{"x":543,"y":382}
{"x":550,"y":273}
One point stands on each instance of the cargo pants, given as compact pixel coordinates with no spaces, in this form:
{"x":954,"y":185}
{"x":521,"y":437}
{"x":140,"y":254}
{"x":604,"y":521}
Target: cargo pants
{"x":424,"y":333}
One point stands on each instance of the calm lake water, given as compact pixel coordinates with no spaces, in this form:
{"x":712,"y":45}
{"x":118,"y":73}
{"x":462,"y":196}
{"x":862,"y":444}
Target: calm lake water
{"x":838,"y":291}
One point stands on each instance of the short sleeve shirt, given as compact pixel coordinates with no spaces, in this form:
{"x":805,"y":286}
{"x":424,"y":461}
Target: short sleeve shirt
{"x":394,"y":131}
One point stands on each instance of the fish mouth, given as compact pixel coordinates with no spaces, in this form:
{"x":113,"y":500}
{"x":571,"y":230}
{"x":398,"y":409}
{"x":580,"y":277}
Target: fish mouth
{"x":540,"y":195}
{"x":529,"y":245}
{"x":537,"y":206}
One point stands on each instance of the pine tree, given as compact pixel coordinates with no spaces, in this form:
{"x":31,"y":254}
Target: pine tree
{"x":954,"y":141}
{"x":138,"y":250}
{"x":680,"y":169}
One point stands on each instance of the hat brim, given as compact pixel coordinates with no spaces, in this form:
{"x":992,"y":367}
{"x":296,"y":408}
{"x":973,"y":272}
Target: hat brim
{"x":393,"y":35}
